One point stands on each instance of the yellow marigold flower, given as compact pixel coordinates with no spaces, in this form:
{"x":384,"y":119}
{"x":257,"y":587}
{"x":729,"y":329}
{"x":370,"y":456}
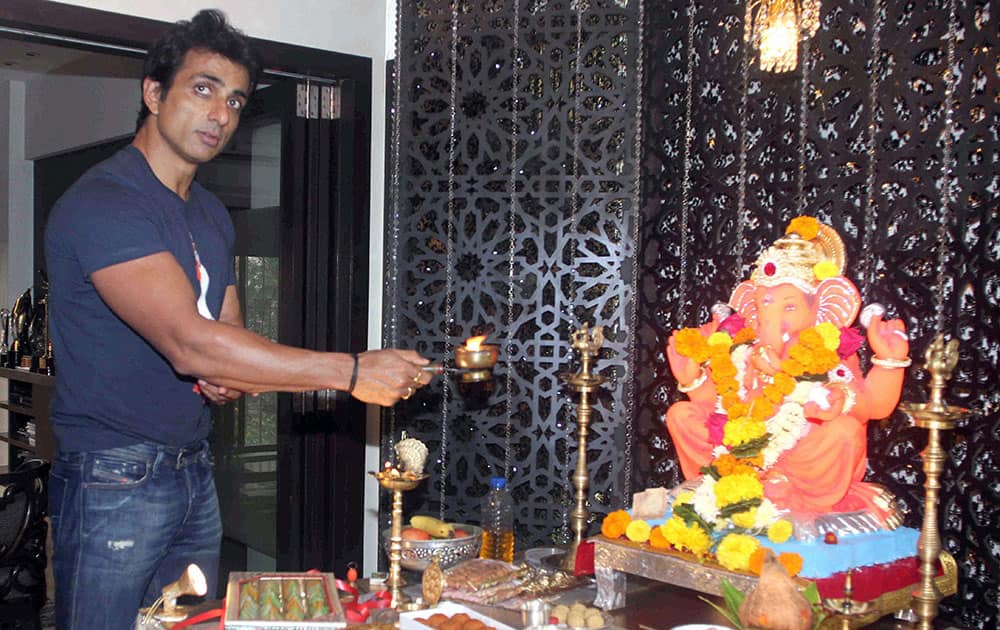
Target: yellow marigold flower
{"x":830,"y":335}
{"x":735,"y":488}
{"x":697,"y":540}
{"x":735,"y":550}
{"x":784,"y":383}
{"x":738,"y":432}
{"x":720,"y":339}
{"x":779,"y":531}
{"x":745,"y":519}
{"x":684,"y":497}
{"x":690,"y":343}
{"x":638,"y":531}
{"x":683,"y":537}
{"x":744,"y":335}
{"x":825,"y":269}
{"x":806,"y":227}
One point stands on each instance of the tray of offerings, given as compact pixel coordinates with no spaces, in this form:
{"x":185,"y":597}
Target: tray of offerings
{"x":266,"y":601}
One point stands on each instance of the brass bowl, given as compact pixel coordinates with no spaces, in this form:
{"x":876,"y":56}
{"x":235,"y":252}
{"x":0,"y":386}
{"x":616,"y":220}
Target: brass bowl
{"x":417,"y":554}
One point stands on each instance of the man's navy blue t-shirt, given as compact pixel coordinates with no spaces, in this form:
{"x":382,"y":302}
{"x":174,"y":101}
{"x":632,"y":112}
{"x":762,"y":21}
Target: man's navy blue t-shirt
{"x":112,"y":388}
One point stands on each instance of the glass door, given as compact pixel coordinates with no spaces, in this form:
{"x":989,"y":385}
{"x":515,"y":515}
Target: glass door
{"x":289,"y":468}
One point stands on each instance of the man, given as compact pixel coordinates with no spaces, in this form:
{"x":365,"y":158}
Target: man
{"x":148,"y":329}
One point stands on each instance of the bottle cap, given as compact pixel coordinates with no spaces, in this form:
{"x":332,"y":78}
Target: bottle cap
{"x":497,"y":483}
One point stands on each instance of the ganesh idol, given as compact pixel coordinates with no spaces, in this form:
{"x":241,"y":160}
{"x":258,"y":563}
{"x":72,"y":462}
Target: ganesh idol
{"x":775,"y":386}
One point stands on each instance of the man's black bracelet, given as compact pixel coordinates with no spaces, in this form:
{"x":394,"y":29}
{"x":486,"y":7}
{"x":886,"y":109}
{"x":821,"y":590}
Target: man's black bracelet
{"x":354,"y":374}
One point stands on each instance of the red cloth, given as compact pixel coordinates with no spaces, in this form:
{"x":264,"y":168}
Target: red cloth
{"x":584,"y":564}
{"x":870,"y":582}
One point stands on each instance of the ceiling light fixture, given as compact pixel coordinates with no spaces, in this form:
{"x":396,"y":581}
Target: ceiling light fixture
{"x":775,"y":27}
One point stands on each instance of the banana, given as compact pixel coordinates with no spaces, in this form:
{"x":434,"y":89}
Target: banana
{"x":433,"y":526}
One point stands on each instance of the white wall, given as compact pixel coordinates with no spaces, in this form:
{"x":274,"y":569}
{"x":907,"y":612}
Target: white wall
{"x":359,"y":27}
{"x":68,"y":112}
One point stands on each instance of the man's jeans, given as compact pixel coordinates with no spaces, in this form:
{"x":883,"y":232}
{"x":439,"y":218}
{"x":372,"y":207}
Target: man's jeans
{"x":126,"y":522}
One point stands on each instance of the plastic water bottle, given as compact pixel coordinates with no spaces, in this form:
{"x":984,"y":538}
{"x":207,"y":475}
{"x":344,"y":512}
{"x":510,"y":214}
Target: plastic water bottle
{"x":498,"y":522}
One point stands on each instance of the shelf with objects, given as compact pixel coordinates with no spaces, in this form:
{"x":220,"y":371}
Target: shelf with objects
{"x":28,"y":434}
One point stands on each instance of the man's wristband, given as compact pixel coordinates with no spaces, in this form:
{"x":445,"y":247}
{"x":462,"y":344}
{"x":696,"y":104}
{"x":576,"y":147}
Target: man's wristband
{"x":354,"y":374}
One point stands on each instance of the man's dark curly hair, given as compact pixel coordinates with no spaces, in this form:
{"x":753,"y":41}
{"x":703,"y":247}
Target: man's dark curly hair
{"x":208,"y":30}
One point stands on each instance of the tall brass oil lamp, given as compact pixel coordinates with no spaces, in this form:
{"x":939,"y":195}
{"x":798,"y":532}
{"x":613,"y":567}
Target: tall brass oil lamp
{"x":583,"y":382}
{"x":393,"y":479}
{"x":935,"y":416}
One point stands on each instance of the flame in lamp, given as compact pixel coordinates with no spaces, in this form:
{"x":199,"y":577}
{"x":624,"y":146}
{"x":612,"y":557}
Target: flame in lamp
{"x":774,"y":28}
{"x":473,"y":344}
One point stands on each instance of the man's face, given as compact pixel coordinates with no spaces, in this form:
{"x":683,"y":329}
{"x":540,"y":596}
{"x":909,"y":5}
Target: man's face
{"x":201,"y":110}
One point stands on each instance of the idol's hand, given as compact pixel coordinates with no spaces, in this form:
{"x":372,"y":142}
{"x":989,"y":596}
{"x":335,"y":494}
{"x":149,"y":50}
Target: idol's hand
{"x":888,"y":339}
{"x":684,"y":369}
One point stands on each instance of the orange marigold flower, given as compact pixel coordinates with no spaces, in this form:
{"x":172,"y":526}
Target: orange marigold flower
{"x":657,"y":540}
{"x":614,"y":524}
{"x":744,"y":335}
{"x":691,"y":343}
{"x":791,"y":561}
{"x":757,"y":560}
{"x":762,"y":409}
{"x":729,"y":399}
{"x":773,"y":393}
{"x":784,"y":383}
{"x":806,"y":227}
{"x":792,"y":367}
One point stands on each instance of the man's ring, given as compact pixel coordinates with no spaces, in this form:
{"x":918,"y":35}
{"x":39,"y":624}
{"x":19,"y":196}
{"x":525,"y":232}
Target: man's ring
{"x":416,"y":377}
{"x":409,"y":392}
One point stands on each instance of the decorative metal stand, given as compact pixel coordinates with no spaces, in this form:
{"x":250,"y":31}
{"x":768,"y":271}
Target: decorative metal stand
{"x":398,"y":482}
{"x":583,"y":382}
{"x":935,"y":416}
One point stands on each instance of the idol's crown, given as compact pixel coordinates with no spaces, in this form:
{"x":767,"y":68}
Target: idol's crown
{"x":808,"y":253}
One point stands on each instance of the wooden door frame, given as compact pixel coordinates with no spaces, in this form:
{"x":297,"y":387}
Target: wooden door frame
{"x":105,"y":27}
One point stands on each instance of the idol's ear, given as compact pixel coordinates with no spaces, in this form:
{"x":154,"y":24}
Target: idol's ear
{"x":744,"y":300}
{"x":837,"y":301}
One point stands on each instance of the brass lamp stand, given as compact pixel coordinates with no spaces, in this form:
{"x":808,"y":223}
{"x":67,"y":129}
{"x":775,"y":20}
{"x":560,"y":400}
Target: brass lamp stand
{"x":583,"y":382}
{"x":935,"y":416}
{"x":391,"y":478}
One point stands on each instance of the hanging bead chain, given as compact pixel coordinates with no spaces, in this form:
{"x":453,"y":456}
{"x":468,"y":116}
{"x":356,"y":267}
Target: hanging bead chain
{"x":397,"y":117}
{"x":577,"y":86}
{"x":686,"y":181}
{"x":741,"y":191}
{"x":870,"y":227}
{"x":450,"y":254}
{"x":631,"y":384}
{"x":947,"y":168}
{"x":512,"y":223}
{"x":803,"y":125}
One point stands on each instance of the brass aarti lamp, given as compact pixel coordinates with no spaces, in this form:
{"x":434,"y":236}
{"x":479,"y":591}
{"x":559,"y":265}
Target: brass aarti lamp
{"x":583,"y":382}
{"x":935,"y":416}
{"x":398,"y":481}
